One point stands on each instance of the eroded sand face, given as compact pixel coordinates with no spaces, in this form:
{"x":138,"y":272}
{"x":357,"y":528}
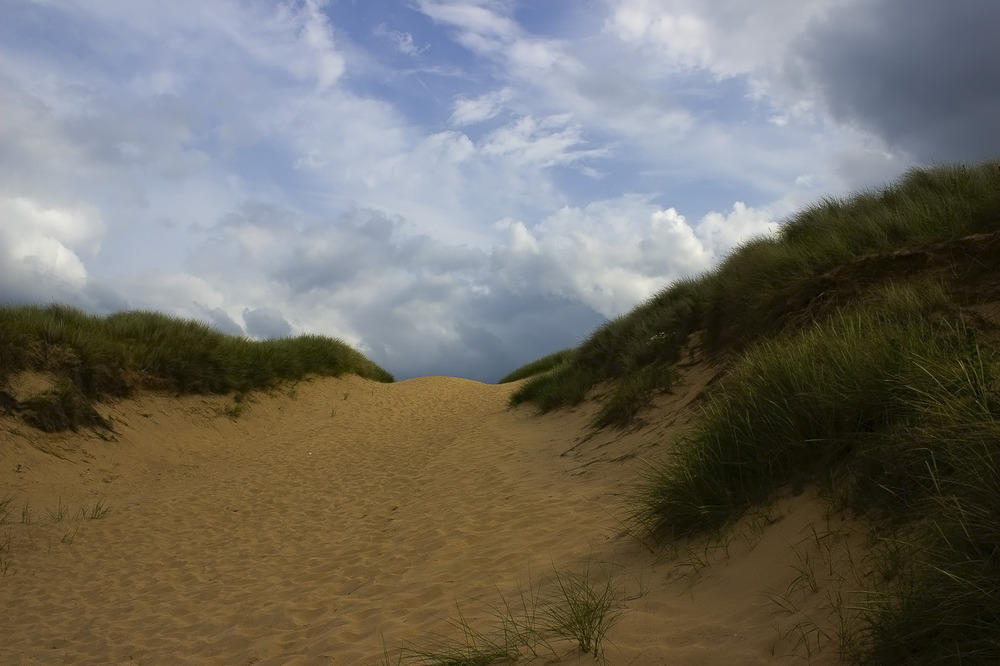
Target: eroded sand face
{"x":337,"y":521}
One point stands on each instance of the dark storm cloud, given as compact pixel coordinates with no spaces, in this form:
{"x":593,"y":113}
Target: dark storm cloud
{"x":495,"y":332}
{"x":359,"y":243}
{"x":420,"y":306}
{"x":921,"y":74}
{"x":521,"y":328}
{"x":266,"y":323}
{"x":219,"y":319}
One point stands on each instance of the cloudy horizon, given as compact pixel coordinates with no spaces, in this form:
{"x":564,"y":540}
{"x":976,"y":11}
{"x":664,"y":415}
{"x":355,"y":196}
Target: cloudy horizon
{"x":455,"y":187}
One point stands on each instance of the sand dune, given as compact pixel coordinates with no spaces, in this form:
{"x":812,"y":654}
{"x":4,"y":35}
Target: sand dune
{"x":335,"y":521}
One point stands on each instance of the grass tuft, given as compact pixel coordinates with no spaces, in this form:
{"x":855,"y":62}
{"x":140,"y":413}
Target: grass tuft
{"x":579,"y":607}
{"x":584,"y":610}
{"x":5,"y":508}
{"x":98,"y":511}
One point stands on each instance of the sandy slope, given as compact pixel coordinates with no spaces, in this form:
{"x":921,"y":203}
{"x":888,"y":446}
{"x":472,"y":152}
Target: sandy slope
{"x":343,"y":518}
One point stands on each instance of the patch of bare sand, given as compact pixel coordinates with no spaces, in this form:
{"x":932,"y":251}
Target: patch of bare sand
{"x":342,"y":518}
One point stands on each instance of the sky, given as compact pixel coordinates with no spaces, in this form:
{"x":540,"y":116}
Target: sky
{"x":454,"y":187}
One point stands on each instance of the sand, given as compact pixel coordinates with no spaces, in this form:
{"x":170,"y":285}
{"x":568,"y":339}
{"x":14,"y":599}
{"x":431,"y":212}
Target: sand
{"x":338,"y":520}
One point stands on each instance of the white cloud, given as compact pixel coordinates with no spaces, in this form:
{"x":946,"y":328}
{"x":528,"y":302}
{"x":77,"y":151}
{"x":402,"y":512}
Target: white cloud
{"x":316,"y":32}
{"x":725,"y":37}
{"x":476,"y":110}
{"x":39,"y":240}
{"x":413,"y":301}
{"x":609,"y":254}
{"x":545,"y":142}
{"x":531,"y":57}
{"x":401,"y":40}
{"x":681,"y":35}
{"x":721,"y":232}
{"x":262,"y":166}
{"x":481,"y":29}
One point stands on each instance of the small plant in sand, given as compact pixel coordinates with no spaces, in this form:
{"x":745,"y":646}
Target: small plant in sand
{"x":58,"y":514}
{"x":579,"y":607}
{"x":5,"y":552}
{"x":584,"y":610}
{"x":473,"y":648}
{"x":5,"y":508}
{"x":96,"y":512}
{"x":824,"y":562}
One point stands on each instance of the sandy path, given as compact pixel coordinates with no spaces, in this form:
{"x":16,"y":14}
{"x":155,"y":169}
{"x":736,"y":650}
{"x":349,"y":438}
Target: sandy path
{"x":323,"y":528}
{"x":354,"y":511}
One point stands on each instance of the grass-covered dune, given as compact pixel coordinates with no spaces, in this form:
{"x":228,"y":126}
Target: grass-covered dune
{"x":860,"y":346}
{"x":539,"y":366}
{"x":819,"y":260}
{"x":91,"y":358}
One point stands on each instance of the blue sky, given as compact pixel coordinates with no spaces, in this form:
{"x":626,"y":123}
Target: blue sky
{"x":455,"y":187}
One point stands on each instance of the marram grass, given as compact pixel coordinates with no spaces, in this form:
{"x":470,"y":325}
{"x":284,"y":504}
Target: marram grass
{"x":893,"y":408}
{"x":745,"y":298}
{"x":93,"y":358}
{"x":885,"y":395}
{"x":539,"y":366}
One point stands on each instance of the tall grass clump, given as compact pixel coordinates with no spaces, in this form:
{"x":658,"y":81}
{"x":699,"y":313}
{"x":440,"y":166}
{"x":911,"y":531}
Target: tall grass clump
{"x":924,"y":206}
{"x":652,"y":334}
{"x":893,"y":407}
{"x":757,"y":291}
{"x":857,"y":358}
{"x":537,"y":367}
{"x":941,"y":599}
{"x":793,"y":408}
{"x":92,"y":358}
{"x":564,"y":385}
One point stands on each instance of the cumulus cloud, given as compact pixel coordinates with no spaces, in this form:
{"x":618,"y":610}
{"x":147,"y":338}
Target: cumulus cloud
{"x":727,"y":37}
{"x":410,"y":301}
{"x":721,"y":232}
{"x":416,"y":303}
{"x":181,"y":294}
{"x":43,"y":254}
{"x":261,"y":167}
{"x":219,"y":319}
{"x":613,"y":254}
{"x":42,"y":245}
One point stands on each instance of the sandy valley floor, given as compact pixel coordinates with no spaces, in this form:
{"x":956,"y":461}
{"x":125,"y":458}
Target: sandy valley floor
{"x":335,"y":521}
